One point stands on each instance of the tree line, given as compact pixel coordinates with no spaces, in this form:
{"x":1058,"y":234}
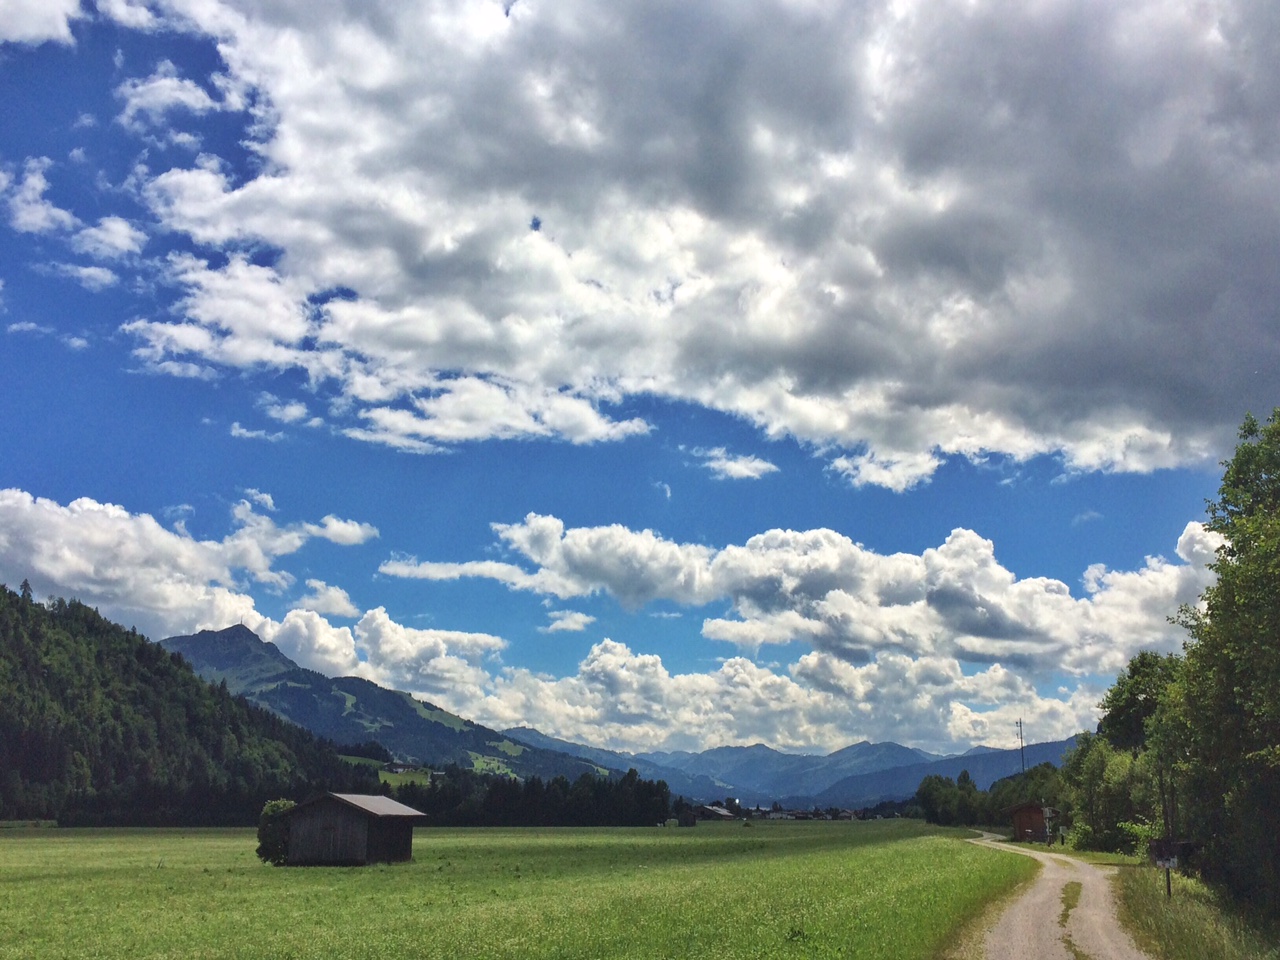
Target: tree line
{"x":467,"y":798}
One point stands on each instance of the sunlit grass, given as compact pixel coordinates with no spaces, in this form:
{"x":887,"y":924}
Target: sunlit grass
{"x":1194,"y":924}
{"x":892,"y":889}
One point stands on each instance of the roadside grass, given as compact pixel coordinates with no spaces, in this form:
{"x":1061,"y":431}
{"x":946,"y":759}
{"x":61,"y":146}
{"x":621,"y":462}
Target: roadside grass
{"x":888,"y":889}
{"x":1196,"y":923}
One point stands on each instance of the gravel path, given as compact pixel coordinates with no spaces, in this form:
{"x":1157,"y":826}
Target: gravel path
{"x":1034,"y":926}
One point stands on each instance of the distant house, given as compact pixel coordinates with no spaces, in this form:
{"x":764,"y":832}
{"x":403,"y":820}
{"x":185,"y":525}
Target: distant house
{"x":714,"y":812}
{"x":348,"y":829}
{"x":1030,"y":822}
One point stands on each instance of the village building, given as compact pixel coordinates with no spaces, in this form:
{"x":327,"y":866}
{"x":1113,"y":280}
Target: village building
{"x":347,"y":829}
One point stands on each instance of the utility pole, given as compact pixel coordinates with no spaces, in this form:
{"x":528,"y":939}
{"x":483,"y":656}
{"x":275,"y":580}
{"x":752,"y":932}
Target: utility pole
{"x":1022,"y":747}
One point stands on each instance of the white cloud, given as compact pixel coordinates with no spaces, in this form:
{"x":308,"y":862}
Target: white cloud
{"x":859,"y":240}
{"x":922,"y":684}
{"x":291,"y":411}
{"x":323,"y":598}
{"x":91,"y":278}
{"x":134,"y":14}
{"x":29,"y":211}
{"x":244,"y":433}
{"x":347,"y":533}
{"x":625,"y":700}
{"x":112,"y":238}
{"x":726,"y":466}
{"x":35,"y":21}
{"x":310,"y":641}
{"x":27,"y":326}
{"x":444,"y":665}
{"x":152,"y":99}
{"x":567,"y":621}
{"x":262,"y":499}
{"x":140,"y":572}
{"x":822,"y":589}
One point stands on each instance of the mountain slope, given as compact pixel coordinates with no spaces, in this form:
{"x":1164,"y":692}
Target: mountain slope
{"x":353,"y":710}
{"x":899,"y":783}
{"x":691,"y":786}
{"x":99,"y":725}
{"x":762,"y":774}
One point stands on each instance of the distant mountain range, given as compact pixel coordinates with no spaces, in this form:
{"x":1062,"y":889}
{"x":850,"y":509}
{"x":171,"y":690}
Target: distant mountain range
{"x":856,"y":776}
{"x":353,"y":710}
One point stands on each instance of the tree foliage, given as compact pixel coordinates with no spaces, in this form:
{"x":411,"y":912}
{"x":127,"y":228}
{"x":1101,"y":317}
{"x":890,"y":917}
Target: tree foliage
{"x":960,"y":803}
{"x":100,"y":726}
{"x":1134,"y":698}
{"x":1230,"y":694}
{"x":465,"y":798}
{"x":273,"y":832}
{"x":1189,"y":747}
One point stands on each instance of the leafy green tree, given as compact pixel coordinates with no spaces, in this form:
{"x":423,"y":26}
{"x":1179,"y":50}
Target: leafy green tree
{"x":1101,"y":784}
{"x":1232,"y":677}
{"x":273,"y":832}
{"x":1133,"y":698}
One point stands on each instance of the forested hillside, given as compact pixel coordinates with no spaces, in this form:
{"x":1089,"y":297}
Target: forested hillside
{"x":98,"y":725}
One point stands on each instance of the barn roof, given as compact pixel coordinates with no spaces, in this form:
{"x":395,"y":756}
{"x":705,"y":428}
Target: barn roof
{"x":376,"y":805}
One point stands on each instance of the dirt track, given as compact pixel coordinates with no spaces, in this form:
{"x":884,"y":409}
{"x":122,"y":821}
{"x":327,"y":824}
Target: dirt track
{"x":1032,"y":928}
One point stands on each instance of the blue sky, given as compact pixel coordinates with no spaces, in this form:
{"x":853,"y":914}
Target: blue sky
{"x":658,"y":376}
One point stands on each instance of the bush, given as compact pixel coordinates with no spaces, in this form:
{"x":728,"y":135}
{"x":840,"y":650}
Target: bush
{"x":1137,"y":836}
{"x":273,"y":832}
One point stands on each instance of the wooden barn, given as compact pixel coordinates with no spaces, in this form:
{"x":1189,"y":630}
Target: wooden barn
{"x":349,"y":829}
{"x":1029,"y":822}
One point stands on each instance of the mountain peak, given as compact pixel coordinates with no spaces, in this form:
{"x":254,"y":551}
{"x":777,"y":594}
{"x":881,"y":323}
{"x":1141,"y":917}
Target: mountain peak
{"x":232,"y":651}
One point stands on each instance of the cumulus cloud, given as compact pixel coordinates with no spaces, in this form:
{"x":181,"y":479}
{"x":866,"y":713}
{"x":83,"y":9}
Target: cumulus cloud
{"x":286,"y":411}
{"x":142,"y":572}
{"x":27,"y":326}
{"x":323,"y":598}
{"x":36,"y":21}
{"x":112,"y":238}
{"x":898,"y":233}
{"x":625,"y":700}
{"x":822,"y":589}
{"x":91,"y":278}
{"x":444,"y":665}
{"x":148,"y":101}
{"x":726,"y":466}
{"x":244,"y":433}
{"x":29,"y":211}
{"x":567,"y":621}
{"x":946,"y":647}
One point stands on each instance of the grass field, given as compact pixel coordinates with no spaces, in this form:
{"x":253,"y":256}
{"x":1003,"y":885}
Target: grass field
{"x":1195,"y":923}
{"x":888,"y":889}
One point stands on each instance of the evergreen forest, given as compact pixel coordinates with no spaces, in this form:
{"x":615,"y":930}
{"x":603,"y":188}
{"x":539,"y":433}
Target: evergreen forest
{"x":100,"y":726}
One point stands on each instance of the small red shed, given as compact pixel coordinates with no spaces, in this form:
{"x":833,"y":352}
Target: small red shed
{"x":1029,"y":823}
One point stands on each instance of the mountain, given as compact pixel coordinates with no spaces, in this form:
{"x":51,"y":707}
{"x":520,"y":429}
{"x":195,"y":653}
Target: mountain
{"x":761,"y":774}
{"x":100,"y":726}
{"x":691,"y":786}
{"x":858,"y":775}
{"x":353,"y":710}
{"x":900,"y":783}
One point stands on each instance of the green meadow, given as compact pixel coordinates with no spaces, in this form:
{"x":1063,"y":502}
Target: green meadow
{"x":885,"y":889}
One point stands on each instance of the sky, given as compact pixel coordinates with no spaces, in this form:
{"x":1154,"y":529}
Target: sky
{"x":658,"y":375}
